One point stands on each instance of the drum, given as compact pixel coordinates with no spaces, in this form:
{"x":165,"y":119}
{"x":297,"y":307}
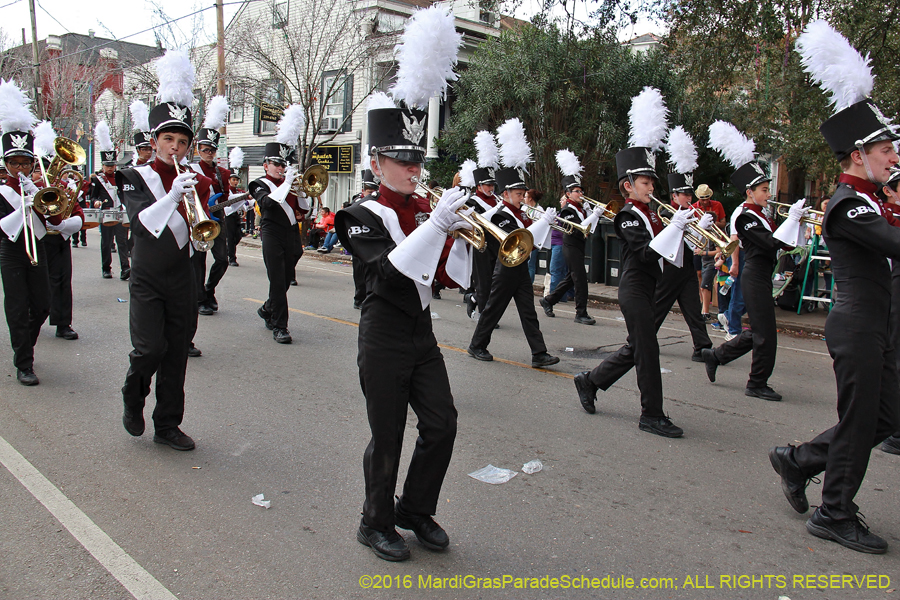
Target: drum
{"x":91,"y":218}
{"x":125,"y":221}
{"x":110,"y":217}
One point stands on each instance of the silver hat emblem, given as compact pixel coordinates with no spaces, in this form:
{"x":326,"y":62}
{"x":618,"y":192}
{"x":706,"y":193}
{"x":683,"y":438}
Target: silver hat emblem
{"x":758,"y":168}
{"x":521,"y":173}
{"x":879,"y":115}
{"x":689,"y":179}
{"x":284,"y":151}
{"x":651,"y":159}
{"x":18,"y":141}
{"x":413,"y":130}
{"x":177,"y":112}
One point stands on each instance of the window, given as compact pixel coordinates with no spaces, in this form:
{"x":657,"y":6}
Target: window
{"x":337,"y":102}
{"x":236,"y":104}
{"x":280,"y":15}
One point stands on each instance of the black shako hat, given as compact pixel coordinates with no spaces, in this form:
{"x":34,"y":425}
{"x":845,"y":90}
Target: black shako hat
{"x":280,"y":154}
{"x":169,"y":115}
{"x":108,"y":157}
{"x":142,"y":139}
{"x":510,"y":179}
{"x":855,"y":126}
{"x":752,"y":173}
{"x":635,"y":161}
{"x":208,"y":136}
{"x":368,"y":180}
{"x":681,"y":182}
{"x":571,"y":181}
{"x":18,"y":143}
{"x":398,"y":133}
{"x":484,"y":175}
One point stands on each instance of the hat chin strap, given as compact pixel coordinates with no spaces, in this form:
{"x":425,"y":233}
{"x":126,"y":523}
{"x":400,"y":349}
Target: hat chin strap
{"x":865,"y":160}
{"x":384,"y":180}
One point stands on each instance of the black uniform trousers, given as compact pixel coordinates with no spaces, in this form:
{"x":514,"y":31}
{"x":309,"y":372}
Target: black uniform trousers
{"x":575,"y":278}
{"x":510,"y":283}
{"x":122,"y":247}
{"x":219,"y":252}
{"x":162,"y":320}
{"x":59,"y":264}
{"x":676,"y":284}
{"x":762,"y":337}
{"x":26,"y":297}
{"x":359,"y":281}
{"x":281,"y":249}
{"x":401,"y":366}
{"x":233,"y":235}
{"x":636,"y":300}
{"x":483,"y":265}
{"x":865,"y":367}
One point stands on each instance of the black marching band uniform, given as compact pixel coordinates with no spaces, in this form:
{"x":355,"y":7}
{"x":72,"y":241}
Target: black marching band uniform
{"x":281,"y":243}
{"x":400,"y":364}
{"x":163,"y":308}
{"x":369,"y":186}
{"x":103,"y":188}
{"x":234,"y":221}
{"x":483,"y":263}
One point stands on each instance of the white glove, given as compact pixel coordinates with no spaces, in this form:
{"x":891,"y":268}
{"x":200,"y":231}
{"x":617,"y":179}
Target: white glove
{"x":588,"y":209}
{"x":183,"y":183}
{"x":28,"y":186}
{"x":72,"y":185}
{"x":51,"y":227}
{"x":462,"y":223}
{"x":682,"y":217}
{"x":706,"y":221}
{"x":444,"y":217}
{"x":28,"y":201}
{"x":797,"y":210}
{"x":549,"y":215}
{"x":290,"y":173}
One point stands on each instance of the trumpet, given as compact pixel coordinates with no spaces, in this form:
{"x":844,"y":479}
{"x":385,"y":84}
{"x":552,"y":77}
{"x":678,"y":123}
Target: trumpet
{"x":203,"y":231}
{"x":813,"y":217}
{"x":698,"y":236}
{"x":608,"y":211}
{"x":313,"y":182}
{"x":560,"y":224}
{"x":68,"y":154}
{"x":515,"y":247}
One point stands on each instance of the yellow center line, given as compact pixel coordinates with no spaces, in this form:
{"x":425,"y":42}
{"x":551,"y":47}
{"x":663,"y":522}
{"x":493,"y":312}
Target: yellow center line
{"x":444,"y":346}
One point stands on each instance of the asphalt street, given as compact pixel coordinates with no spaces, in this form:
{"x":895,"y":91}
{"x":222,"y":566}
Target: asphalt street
{"x":89,"y":512}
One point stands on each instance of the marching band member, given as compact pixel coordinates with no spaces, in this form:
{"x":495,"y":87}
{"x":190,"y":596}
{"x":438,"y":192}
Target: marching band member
{"x":281,"y":210}
{"x":104,"y":195}
{"x":637,"y":226}
{"x":892,"y":444}
{"x":512,"y":283}
{"x":207,"y":146}
{"x":862,"y":244}
{"x":234,"y":214}
{"x":759,"y":248}
{"x":163,"y":313}
{"x":140,"y":122}
{"x":26,"y":283}
{"x":56,"y":243}
{"x":369,"y":188}
{"x":484,"y":202}
{"x":573,"y":243}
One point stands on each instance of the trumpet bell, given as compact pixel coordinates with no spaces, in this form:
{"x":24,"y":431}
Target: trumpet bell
{"x":515,"y":248}
{"x":314,"y":181}
{"x":205,"y":231}
{"x":51,"y":201}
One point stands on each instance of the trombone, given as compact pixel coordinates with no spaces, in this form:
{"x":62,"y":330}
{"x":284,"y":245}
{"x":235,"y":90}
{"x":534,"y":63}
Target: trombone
{"x":813,"y":217}
{"x":203,"y":231}
{"x":515,"y":247}
{"x":28,"y":225}
{"x":560,"y":224}
{"x":698,"y":236}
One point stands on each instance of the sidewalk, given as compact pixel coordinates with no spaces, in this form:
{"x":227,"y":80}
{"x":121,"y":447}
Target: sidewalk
{"x":807,"y":323}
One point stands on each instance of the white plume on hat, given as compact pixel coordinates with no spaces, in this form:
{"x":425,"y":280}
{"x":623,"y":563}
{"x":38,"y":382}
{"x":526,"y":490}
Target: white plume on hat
{"x":140,"y":116}
{"x":290,"y":126}
{"x":467,"y":173}
{"x":568,"y":163}
{"x":426,"y":56}
{"x":236,"y":158}
{"x":515,"y":151}
{"x":101,"y":135}
{"x":216,"y":110}
{"x":835,"y":65}
{"x":379,"y":100}
{"x":15,"y":110}
{"x":647,"y":120}
{"x":44,"y":136}
{"x":176,"y":78}
{"x":682,"y":150}
{"x":734,"y":146}
{"x":487,"y":152}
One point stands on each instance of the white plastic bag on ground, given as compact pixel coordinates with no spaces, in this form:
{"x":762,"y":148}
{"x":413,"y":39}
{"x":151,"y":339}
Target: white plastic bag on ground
{"x":492,"y":474}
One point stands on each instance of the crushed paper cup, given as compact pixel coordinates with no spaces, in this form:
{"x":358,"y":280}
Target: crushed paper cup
{"x":492,"y":474}
{"x":260,"y":501}
{"x":532,"y":466}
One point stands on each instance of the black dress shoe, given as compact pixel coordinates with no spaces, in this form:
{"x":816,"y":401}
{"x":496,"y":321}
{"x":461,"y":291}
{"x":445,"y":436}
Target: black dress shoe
{"x":107,"y":275}
{"x":585,"y":319}
{"x":125,"y":275}
{"x":293,"y":282}
{"x":175,"y":438}
{"x":708,"y":356}
{"x":27,"y":376}
{"x":66,"y":333}
{"x":891,"y":445}
{"x":542,"y":359}
{"x":427,"y":531}
{"x":133,"y":421}
{"x":386,"y":545}
{"x":84,"y":244}
{"x":211,"y":300}
{"x":765,"y":392}
{"x":587,"y":391}
{"x":851,"y":533}
{"x":548,"y":308}
{"x":793,"y":482}
{"x":205,"y":310}
{"x":471,"y":305}
{"x":480,"y":354}
{"x":282,"y":336}
{"x":194,"y":352}
{"x":435,"y":295}
{"x":265,"y":316}
{"x":233,"y":263}
{"x":357,"y":305}
{"x":660,"y":426}
{"x":697,"y":356}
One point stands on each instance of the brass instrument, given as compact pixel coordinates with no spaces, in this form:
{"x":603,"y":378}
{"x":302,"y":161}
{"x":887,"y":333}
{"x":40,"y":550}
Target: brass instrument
{"x":560,"y":224}
{"x":203,"y":231}
{"x":313,"y":182}
{"x":609,"y":212}
{"x":814,"y":217}
{"x":698,"y":236}
{"x":515,"y":247}
{"x":68,"y":153}
{"x":28,"y":225}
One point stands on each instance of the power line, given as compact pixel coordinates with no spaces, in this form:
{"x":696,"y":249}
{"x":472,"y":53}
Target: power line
{"x":11,"y":3}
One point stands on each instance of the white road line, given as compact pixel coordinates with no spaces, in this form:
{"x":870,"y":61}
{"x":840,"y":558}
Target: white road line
{"x":141,"y":584}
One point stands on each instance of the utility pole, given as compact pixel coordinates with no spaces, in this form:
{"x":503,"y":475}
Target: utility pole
{"x":35,"y":68}
{"x":220,"y":82}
